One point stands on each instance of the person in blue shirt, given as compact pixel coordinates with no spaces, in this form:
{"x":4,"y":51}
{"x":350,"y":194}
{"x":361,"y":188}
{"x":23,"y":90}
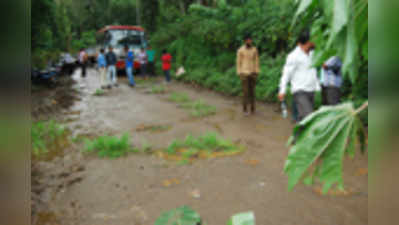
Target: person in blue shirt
{"x":331,"y":81}
{"x":102,"y":66}
{"x":129,"y":66}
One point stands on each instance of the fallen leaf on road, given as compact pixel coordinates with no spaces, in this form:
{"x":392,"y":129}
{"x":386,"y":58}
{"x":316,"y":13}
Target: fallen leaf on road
{"x":195,"y":194}
{"x":252,"y":162}
{"x":170,"y":182}
{"x":362,"y":172}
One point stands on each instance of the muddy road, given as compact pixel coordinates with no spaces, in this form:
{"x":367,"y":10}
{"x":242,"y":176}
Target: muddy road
{"x":136,"y":189}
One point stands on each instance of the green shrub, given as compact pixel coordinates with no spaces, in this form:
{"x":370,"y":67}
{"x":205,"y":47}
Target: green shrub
{"x":109,"y":146}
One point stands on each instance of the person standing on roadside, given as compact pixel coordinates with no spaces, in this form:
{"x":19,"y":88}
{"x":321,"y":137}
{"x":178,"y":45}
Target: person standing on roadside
{"x":166,"y":64}
{"x":300,"y":73}
{"x":83,"y":57}
{"x":129,"y":65}
{"x":331,"y":81}
{"x":248,"y":71}
{"x":151,"y":63}
{"x":102,"y":66}
{"x":143,"y":58}
{"x":111,"y":66}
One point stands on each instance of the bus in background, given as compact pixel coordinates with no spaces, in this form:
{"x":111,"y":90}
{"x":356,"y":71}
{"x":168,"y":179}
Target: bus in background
{"x":120,"y":36}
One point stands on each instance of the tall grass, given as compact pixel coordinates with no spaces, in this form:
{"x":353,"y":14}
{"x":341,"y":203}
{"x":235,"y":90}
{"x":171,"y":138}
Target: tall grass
{"x":44,"y":134}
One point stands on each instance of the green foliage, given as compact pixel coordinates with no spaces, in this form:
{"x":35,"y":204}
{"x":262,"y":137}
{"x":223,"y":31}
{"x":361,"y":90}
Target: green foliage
{"x":99,"y":92}
{"x":109,"y":146}
{"x":322,"y":139}
{"x":242,"y":219}
{"x":179,"y":97}
{"x":158,"y":89}
{"x":180,"y":216}
{"x":347,"y":33}
{"x":43,"y":135}
{"x":187,"y":216}
{"x":199,"y":108}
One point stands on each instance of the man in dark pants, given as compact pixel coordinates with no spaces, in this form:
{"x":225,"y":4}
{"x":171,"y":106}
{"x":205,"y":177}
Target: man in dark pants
{"x":248,"y":70}
{"x":299,"y":72}
{"x":331,"y":81}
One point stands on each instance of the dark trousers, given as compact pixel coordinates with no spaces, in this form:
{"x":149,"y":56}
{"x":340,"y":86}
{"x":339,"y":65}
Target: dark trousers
{"x":83,"y":66}
{"x":167,"y":75}
{"x":331,"y":95}
{"x":143,"y":70}
{"x":304,"y":102}
{"x":248,"y":88}
{"x":151,"y":68}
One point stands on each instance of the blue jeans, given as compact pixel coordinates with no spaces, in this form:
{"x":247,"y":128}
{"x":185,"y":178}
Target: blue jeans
{"x":112,"y":75}
{"x":129,"y":72}
{"x":167,"y":75}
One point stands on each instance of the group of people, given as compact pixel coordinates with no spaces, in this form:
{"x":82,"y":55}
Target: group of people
{"x":106,"y":63}
{"x":298,"y":71}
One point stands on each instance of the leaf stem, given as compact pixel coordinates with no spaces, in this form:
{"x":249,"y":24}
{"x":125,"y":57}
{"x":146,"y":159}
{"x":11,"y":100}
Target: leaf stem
{"x":361,"y":108}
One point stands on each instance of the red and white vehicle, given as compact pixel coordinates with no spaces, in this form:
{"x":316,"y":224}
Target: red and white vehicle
{"x":120,"y":36}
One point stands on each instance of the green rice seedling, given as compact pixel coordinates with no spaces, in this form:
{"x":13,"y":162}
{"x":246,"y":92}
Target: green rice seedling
{"x":109,"y":146}
{"x":179,"y":97}
{"x":99,"y":92}
{"x":159,"y":89}
{"x":200,"y":109}
{"x":208,"y":145}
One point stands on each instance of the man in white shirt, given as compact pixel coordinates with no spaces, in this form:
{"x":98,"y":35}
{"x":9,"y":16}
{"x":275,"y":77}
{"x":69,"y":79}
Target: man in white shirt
{"x":300,"y":73}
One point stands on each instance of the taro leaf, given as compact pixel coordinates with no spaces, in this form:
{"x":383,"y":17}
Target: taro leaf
{"x":247,"y":218}
{"x":180,"y":216}
{"x":321,"y":135}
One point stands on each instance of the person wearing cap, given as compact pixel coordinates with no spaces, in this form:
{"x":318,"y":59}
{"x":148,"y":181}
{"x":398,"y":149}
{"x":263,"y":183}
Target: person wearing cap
{"x":248,"y":71}
{"x":299,"y":72}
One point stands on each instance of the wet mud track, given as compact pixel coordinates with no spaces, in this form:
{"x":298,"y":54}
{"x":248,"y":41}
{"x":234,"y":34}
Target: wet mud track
{"x":136,"y":189}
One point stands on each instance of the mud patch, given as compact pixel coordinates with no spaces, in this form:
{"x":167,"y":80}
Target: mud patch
{"x":153,"y":128}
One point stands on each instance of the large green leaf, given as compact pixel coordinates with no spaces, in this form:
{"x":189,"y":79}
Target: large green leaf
{"x":340,"y":18}
{"x":303,"y":6}
{"x":351,"y":53}
{"x":322,"y":135}
{"x":180,"y":216}
{"x":247,"y":218}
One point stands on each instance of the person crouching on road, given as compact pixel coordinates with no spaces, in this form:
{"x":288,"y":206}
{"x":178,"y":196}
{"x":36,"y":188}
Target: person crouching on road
{"x":102,"y":66}
{"x":129,"y":66}
{"x":248,"y":71}
{"x":300,"y":73}
{"x":111,"y":63}
{"x":166,"y":64}
{"x":331,"y":81}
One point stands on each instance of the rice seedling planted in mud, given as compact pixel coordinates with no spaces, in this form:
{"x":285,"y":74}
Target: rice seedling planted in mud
{"x":44,"y":134}
{"x":210,"y":145}
{"x":99,"y":92}
{"x":179,"y":97}
{"x":110,"y":146}
{"x":200,"y":109}
{"x":158,"y":89}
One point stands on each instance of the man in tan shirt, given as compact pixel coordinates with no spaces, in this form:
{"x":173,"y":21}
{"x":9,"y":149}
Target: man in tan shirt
{"x":248,"y":71}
